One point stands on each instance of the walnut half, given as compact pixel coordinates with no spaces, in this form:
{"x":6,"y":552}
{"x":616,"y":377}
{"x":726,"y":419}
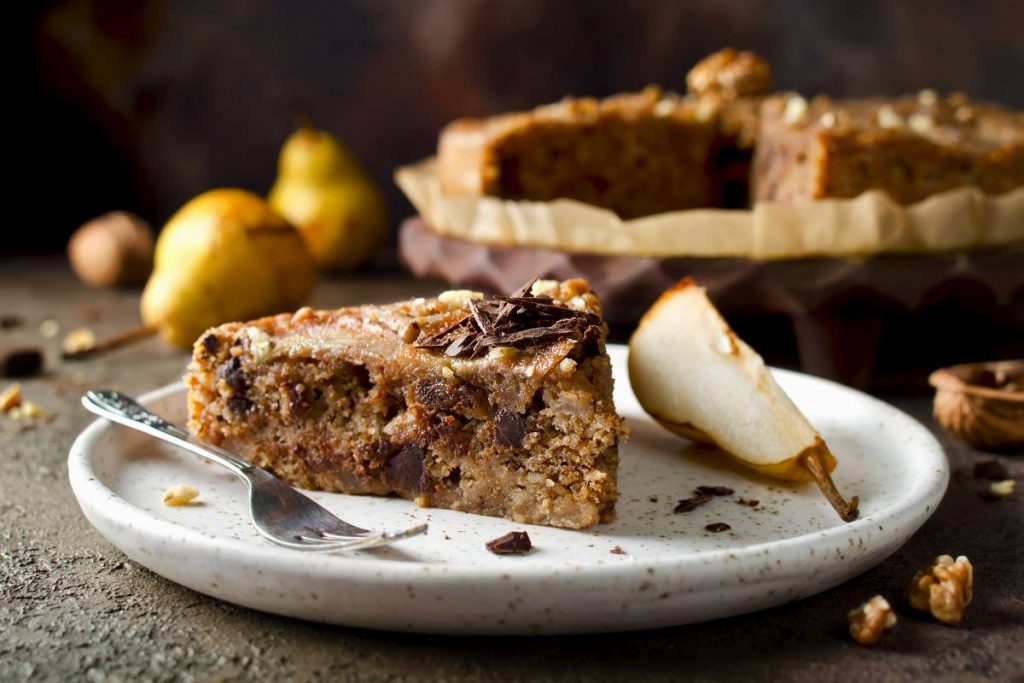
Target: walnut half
{"x":729,"y":74}
{"x":943,"y":588}
{"x":872,"y":619}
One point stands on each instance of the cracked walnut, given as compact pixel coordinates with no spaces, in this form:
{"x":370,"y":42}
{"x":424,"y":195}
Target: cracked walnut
{"x":871,"y":620}
{"x":943,"y":588}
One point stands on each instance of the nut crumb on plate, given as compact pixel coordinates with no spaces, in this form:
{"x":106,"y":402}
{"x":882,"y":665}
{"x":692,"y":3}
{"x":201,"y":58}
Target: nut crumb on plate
{"x":943,"y":588}
{"x":871,"y":620}
{"x":180,"y":494}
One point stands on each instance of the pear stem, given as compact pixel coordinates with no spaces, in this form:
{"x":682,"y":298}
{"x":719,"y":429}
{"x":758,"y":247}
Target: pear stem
{"x":847,"y":509}
{"x":110,"y":343}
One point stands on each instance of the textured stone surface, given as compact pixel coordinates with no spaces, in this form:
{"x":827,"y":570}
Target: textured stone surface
{"x":73,"y":607}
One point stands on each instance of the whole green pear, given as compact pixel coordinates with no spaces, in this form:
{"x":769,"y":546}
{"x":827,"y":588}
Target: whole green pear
{"x":322,"y":191}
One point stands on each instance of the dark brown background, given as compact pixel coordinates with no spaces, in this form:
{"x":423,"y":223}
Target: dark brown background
{"x":143,"y":105}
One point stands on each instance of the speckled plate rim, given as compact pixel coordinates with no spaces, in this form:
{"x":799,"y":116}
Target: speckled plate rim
{"x":114,"y":516}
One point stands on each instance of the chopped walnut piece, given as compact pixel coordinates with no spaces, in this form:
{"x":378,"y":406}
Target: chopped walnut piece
{"x":260,"y":343}
{"x":998,"y":490}
{"x":729,"y":73}
{"x":180,"y":494}
{"x":79,"y":341}
{"x":10,"y":397}
{"x":871,"y":620}
{"x":944,"y":588}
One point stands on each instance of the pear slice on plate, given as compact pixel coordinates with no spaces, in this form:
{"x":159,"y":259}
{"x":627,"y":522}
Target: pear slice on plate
{"x":692,"y":373}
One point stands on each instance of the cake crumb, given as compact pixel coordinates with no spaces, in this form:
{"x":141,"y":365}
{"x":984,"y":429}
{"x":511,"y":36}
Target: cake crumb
{"x":617,"y":550}
{"x":717,"y":527}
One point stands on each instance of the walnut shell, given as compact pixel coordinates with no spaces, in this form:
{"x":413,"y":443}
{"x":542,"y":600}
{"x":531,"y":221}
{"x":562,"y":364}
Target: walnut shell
{"x":113,"y":249}
{"x":982,"y":403}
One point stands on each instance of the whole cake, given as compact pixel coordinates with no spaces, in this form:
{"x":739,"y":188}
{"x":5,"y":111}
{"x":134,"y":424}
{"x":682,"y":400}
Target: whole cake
{"x":651,"y":152}
{"x":498,"y":406}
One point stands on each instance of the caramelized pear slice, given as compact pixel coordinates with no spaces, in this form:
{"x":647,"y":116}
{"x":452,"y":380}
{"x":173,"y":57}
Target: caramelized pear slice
{"x":692,"y":373}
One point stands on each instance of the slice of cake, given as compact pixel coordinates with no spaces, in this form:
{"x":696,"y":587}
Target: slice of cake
{"x":636,"y":154}
{"x":910,"y":147}
{"x":497,"y":406}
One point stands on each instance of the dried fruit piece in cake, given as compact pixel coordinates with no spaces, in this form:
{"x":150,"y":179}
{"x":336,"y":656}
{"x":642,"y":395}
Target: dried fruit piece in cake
{"x":498,"y":406}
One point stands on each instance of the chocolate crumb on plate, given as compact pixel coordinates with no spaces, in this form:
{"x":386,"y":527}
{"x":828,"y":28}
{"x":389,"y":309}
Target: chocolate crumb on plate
{"x":715,"y":490}
{"x":512,"y":543}
{"x":617,"y":550}
{"x":716,"y":527}
{"x":653,"y":499}
{"x":990,"y":469}
{"x":687,"y":504}
{"x":749,"y":502}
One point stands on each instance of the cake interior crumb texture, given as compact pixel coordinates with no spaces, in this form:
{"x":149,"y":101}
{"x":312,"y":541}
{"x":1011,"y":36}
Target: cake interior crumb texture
{"x":346,"y":401}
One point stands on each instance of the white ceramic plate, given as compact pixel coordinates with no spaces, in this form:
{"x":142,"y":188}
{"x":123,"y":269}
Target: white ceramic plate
{"x":672,"y":570}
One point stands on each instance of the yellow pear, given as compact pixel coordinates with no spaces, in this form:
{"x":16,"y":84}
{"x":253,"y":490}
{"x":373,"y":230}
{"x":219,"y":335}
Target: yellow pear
{"x":322,"y":190}
{"x":224,"y":256}
{"x":698,"y":379}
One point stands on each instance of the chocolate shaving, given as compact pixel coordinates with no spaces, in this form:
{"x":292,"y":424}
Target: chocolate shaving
{"x":512,"y":543}
{"x":717,"y":527}
{"x":688,"y":504}
{"x":715,"y":490}
{"x":520,"y":320}
{"x":749,"y":502}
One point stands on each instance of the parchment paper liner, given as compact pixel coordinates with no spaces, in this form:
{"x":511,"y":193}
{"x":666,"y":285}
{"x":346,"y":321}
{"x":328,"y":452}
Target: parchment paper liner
{"x":964,"y":218}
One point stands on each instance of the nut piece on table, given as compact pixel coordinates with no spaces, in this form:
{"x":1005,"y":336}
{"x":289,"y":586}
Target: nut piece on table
{"x":871,"y":620}
{"x":79,"y":341}
{"x":113,"y":249}
{"x":10,"y":397}
{"x":943,"y":588}
{"x":180,"y":494}
{"x":730,"y":74}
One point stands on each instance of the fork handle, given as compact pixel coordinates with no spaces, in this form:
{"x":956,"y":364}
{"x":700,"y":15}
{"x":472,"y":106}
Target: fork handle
{"x":122,"y":409}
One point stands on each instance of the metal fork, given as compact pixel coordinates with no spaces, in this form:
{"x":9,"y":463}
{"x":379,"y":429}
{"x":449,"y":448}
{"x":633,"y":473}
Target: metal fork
{"x":280,"y":513}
